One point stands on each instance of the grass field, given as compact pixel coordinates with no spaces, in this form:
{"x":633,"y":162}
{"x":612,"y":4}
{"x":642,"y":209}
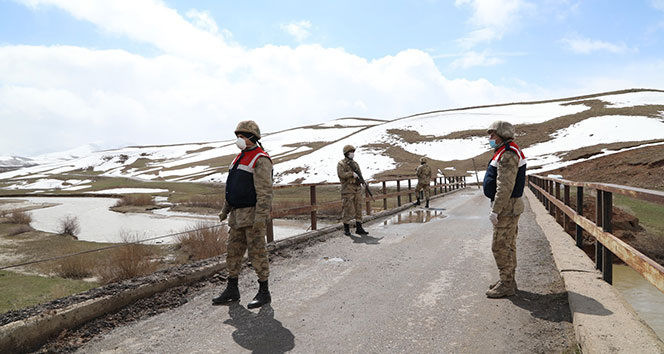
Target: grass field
{"x":18,"y":290}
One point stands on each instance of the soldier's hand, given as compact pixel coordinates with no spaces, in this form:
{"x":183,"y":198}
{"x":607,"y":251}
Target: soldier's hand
{"x":494,"y":218}
{"x":223,"y":215}
{"x":356,"y":175}
{"x":259,"y":223}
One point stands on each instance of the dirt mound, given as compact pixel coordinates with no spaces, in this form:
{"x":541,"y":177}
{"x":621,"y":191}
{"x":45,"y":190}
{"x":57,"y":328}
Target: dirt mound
{"x":642,"y":167}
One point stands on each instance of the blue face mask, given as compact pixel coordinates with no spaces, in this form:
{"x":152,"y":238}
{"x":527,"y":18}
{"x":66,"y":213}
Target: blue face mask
{"x":493,"y":144}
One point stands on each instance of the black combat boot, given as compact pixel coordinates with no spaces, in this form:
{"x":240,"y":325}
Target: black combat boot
{"x":418,"y":200}
{"x":347,"y":230}
{"x":426,"y":206}
{"x":262,"y":297}
{"x":359,"y":230}
{"x":231,"y":294}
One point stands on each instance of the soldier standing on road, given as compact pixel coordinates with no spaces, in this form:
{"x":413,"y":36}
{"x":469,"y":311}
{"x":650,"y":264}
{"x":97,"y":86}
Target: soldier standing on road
{"x":423,"y":181}
{"x":351,"y":191}
{"x":247,"y":206}
{"x":504,"y":182}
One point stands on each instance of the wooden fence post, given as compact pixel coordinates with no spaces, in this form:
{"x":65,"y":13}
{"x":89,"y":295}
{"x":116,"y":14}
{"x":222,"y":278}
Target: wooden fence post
{"x":579,"y":210}
{"x":312,"y":197}
{"x":566,"y":219}
{"x":410,"y":196}
{"x":607,"y":255}
{"x":384,"y":197}
{"x":399,"y":195}
{"x":598,"y":217}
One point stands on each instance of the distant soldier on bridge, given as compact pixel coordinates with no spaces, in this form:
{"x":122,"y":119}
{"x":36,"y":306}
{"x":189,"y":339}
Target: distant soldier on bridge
{"x":351,"y":191}
{"x":423,"y":181}
{"x":504,"y":182}
{"x":247,"y":206}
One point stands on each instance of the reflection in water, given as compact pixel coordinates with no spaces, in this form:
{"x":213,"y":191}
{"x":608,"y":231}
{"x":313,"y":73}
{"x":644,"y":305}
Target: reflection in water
{"x":647,"y":300}
{"x":415,"y":217}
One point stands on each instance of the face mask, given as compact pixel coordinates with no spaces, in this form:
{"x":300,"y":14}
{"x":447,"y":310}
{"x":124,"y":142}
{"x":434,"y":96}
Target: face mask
{"x":240,"y":143}
{"x":493,"y":144}
{"x":351,"y":155}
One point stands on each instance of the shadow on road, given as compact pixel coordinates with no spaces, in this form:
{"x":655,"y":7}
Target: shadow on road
{"x":548,"y":307}
{"x":259,"y":332}
{"x":366,"y":239}
{"x":588,"y":305}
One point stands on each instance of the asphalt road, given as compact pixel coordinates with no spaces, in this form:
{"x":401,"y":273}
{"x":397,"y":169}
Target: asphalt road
{"x":405,"y":288}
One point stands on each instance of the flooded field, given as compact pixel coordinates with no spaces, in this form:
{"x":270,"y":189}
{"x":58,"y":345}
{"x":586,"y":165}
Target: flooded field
{"x":100,"y":224}
{"x":646,"y":299}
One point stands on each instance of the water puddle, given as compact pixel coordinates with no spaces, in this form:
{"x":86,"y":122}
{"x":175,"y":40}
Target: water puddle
{"x":646,"y":299}
{"x":418,"y":216}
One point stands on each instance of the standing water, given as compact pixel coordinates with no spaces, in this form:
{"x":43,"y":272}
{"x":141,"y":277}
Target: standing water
{"x":646,"y":299}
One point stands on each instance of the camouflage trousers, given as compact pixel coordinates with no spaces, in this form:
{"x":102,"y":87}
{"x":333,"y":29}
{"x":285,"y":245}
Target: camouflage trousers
{"x":352,"y":206}
{"x":504,"y":245}
{"x":423,"y":187}
{"x":241,"y":239}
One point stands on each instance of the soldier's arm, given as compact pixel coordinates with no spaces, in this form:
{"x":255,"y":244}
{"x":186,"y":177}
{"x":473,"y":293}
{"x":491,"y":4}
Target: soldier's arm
{"x":507,"y":171}
{"x":263,"y":186}
{"x":342,"y":172}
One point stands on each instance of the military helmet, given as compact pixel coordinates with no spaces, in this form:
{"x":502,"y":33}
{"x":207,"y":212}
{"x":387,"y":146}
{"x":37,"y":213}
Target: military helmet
{"x":248,"y":126}
{"x":348,"y":148}
{"x":423,"y":159}
{"x":502,"y":128}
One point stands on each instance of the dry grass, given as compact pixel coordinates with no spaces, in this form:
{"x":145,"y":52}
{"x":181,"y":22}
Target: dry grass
{"x":69,"y":225}
{"x":129,"y":261}
{"x":204,"y":201}
{"x":76,"y":267}
{"x":135,"y":200}
{"x":19,"y":217}
{"x":17,"y":230}
{"x":203,"y":241}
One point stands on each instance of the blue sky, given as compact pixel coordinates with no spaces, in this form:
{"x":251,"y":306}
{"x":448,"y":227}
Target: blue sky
{"x":158,"y":72}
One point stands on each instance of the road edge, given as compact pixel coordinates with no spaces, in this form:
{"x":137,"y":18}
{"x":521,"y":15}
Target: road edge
{"x":603,"y":321}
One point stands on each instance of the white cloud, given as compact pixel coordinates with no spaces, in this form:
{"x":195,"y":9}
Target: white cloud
{"x":203,"y":20}
{"x":658,"y":4}
{"x":492,"y":19}
{"x":59,"y":97}
{"x":587,"y":46}
{"x":471,"y":59}
{"x":299,"y":30}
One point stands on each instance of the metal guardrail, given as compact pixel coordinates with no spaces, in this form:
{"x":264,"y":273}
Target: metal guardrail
{"x":607,"y":245}
{"x":441,"y":184}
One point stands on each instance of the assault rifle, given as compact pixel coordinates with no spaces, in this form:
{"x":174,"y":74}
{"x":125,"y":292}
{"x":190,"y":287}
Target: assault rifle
{"x":362,"y":181}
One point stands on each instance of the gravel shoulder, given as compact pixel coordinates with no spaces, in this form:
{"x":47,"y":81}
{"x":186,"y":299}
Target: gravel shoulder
{"x":415,"y":287}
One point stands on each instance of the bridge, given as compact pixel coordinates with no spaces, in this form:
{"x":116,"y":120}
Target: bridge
{"x":415,"y":284}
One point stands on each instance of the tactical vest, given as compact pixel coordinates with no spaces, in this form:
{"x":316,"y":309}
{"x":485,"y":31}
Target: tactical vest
{"x":240,"y":190}
{"x":489,"y":183}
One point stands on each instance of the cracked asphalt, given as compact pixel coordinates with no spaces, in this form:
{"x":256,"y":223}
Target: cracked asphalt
{"x":410,"y":287}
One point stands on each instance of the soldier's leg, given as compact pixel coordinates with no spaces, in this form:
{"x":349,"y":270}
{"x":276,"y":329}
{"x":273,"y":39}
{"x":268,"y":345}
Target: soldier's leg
{"x":259,"y":260}
{"x":418,"y":189}
{"x":236,"y":246}
{"x":504,"y":247}
{"x":357,"y":205}
{"x":258,"y":253}
{"x":346,"y":215}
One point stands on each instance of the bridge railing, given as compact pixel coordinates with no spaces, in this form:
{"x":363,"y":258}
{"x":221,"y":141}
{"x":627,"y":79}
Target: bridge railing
{"x":548,"y":191}
{"x":441,"y":184}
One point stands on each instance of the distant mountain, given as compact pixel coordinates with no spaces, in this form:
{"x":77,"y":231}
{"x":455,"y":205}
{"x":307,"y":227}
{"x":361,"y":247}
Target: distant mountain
{"x":14,"y":162}
{"x":552,"y":134}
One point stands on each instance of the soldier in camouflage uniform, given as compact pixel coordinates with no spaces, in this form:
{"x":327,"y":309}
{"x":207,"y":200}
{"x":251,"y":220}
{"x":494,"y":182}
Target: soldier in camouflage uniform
{"x":504,"y":182}
{"x":247,"y":206}
{"x":351,"y":191}
{"x":423,"y":181}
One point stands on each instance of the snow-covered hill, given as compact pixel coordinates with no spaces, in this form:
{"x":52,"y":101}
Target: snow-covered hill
{"x":547,"y":131}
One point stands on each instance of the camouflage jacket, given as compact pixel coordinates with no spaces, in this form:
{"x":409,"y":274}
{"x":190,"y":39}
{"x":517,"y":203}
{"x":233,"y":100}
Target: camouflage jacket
{"x":349,"y":184}
{"x":508,"y":167}
{"x":244,"y":217}
{"x":423,"y":174}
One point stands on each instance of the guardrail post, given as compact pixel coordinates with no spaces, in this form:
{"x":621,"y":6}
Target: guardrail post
{"x":444,"y":179}
{"x":270,"y":230}
{"x":384,"y":197}
{"x":312,"y":197}
{"x":607,"y":255}
{"x":464,"y":181}
{"x":398,"y":195}
{"x":598,"y":217}
{"x":552,"y":207}
{"x":558,"y":211}
{"x":410,"y":196}
{"x":566,"y":219}
{"x":579,"y":210}
{"x":367,"y":198}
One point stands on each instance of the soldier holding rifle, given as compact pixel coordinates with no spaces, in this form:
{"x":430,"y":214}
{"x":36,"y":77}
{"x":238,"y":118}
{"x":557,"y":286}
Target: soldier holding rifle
{"x":351,"y":191}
